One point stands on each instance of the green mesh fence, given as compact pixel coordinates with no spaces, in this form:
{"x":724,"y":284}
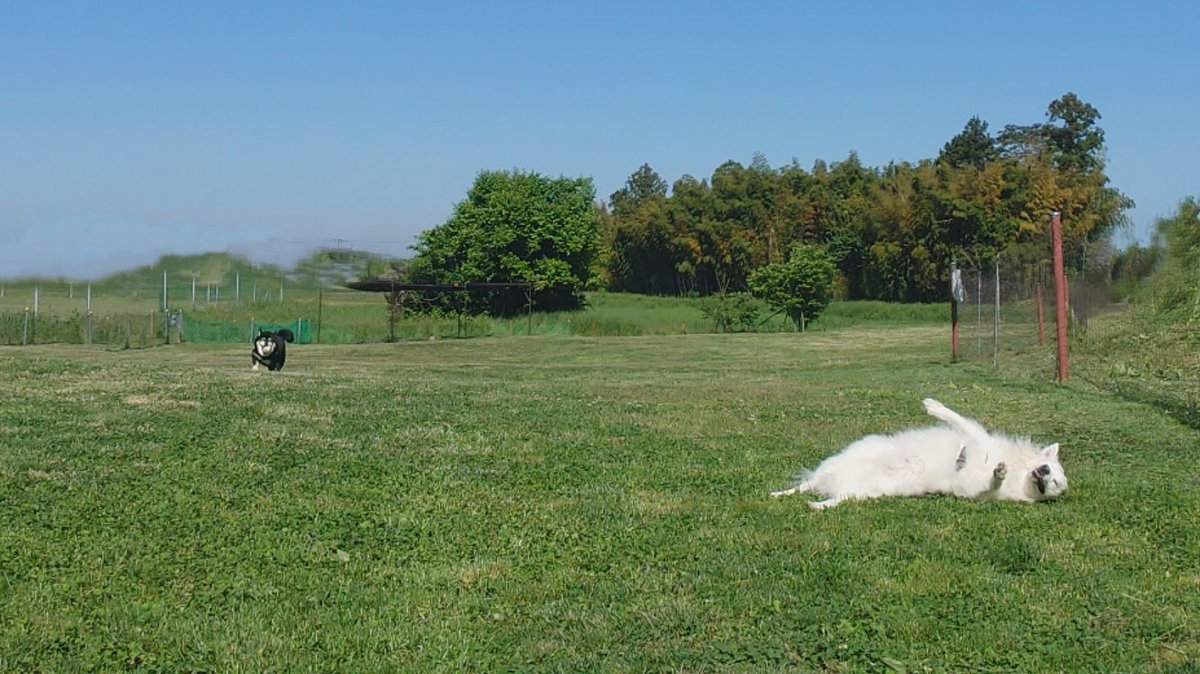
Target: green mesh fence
{"x":124,"y":331}
{"x":117,"y":331}
{"x":201,"y":330}
{"x":301,"y":328}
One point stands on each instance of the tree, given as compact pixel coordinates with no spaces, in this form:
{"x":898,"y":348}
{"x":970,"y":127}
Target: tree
{"x":1181,"y":234}
{"x":800,"y":286}
{"x":1059,"y":165}
{"x":1077,"y":143}
{"x":516,"y":227}
{"x":1021,"y":141}
{"x":644,"y":185}
{"x":971,"y":147}
{"x":890,"y":231}
{"x":1177,"y":284}
{"x":644,"y":252}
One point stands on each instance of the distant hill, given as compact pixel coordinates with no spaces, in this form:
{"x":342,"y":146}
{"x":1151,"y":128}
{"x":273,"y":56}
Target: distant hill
{"x":204,"y":268}
{"x":325,"y":267}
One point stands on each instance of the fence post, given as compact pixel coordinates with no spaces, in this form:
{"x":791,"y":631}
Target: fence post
{"x":1060,"y":293}
{"x":956,"y":291}
{"x":979,"y":310}
{"x":996,"y":317}
{"x":1041,"y":315}
{"x":89,"y":314}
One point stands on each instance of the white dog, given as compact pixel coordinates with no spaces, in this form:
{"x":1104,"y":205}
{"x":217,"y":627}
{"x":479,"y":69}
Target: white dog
{"x":960,"y":458}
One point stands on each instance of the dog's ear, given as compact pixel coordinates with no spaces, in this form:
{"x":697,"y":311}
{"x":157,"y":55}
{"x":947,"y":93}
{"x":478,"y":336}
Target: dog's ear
{"x":1051,"y":452}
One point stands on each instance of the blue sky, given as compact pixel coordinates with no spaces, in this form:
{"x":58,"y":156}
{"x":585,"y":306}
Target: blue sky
{"x":133,"y":129}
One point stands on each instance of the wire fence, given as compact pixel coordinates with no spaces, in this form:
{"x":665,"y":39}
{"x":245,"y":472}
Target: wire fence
{"x":127,"y":316}
{"x":1147,"y":352}
{"x":1008,"y":316}
{"x":142,"y":330}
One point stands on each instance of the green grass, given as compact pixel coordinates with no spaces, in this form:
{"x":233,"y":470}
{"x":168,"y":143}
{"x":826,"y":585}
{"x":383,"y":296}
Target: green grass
{"x":570,"y":505}
{"x":123,"y":318}
{"x":1149,"y":359}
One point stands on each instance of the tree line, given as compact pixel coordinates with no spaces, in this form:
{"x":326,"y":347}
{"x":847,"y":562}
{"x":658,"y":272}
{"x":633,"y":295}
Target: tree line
{"x":890,"y":232}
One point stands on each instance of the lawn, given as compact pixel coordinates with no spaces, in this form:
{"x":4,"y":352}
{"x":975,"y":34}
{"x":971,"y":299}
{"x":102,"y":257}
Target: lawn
{"x":123,"y":318}
{"x":570,"y":504}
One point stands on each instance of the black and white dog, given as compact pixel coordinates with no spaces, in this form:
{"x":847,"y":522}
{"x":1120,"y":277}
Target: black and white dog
{"x":270,"y":349}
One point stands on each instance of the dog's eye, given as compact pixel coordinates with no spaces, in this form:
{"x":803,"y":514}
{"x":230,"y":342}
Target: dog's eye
{"x":1043,"y":470}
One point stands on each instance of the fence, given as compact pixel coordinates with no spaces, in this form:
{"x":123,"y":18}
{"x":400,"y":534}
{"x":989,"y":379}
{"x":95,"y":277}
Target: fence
{"x":124,"y":315}
{"x":1143,"y":353}
{"x":127,"y":331}
{"x":117,"y":317}
{"x":1007,"y":314}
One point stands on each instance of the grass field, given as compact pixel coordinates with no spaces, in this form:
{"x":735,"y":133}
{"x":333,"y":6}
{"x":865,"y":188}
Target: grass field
{"x":124,"y":319}
{"x":570,"y":504}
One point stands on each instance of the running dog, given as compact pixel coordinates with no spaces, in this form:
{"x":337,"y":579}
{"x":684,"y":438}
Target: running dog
{"x":270,"y":349}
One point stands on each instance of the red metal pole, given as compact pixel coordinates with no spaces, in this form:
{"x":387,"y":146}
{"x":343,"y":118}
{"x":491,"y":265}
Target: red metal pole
{"x":1060,"y":293}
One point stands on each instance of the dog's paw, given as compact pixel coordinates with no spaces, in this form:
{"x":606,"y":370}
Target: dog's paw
{"x":933,"y":407}
{"x":1000,"y":472}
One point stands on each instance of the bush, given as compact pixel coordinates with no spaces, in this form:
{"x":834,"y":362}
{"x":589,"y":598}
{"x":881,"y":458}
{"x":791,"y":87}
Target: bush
{"x":801,"y":286}
{"x":732,"y":312}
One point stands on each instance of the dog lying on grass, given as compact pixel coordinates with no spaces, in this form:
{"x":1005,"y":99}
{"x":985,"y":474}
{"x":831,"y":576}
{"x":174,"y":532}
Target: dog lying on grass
{"x":960,"y":458}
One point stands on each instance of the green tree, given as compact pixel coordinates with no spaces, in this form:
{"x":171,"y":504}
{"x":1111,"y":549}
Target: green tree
{"x":643,"y":186}
{"x":891,"y":232}
{"x":1177,"y":284}
{"x":971,"y":147}
{"x":1059,"y":165}
{"x":516,"y":227}
{"x":1075,"y":140}
{"x":1129,"y":268}
{"x":645,"y":252}
{"x":732,"y":312}
{"x":800,"y":286}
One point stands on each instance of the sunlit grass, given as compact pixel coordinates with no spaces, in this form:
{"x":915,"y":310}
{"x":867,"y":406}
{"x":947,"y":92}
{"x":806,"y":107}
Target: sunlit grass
{"x":569,"y":504}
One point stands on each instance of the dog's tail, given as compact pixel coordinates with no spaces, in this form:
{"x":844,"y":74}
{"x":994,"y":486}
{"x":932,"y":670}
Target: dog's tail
{"x":802,"y":483}
{"x":286,"y":335}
